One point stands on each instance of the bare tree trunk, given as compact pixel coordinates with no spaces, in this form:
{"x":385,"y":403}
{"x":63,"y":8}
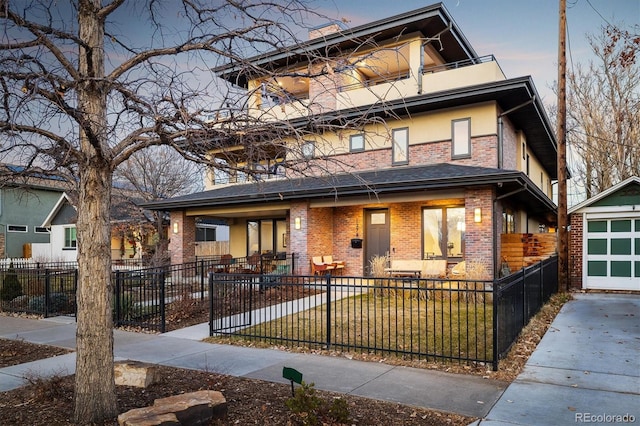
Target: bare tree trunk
{"x":95,"y":397}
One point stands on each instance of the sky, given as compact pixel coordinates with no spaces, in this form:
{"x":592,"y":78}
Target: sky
{"x":521,"y":34}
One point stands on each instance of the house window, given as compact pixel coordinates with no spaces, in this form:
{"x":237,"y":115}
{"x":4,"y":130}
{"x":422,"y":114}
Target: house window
{"x":400,"y":151}
{"x":461,"y":138}
{"x":266,"y":236}
{"x":443,"y":231}
{"x":356,"y":143}
{"x":41,"y":230}
{"x":527,"y":164}
{"x":508,"y":222}
{"x":17,"y":228}
{"x":70,"y":240}
{"x":205,"y":233}
{"x":308,"y":149}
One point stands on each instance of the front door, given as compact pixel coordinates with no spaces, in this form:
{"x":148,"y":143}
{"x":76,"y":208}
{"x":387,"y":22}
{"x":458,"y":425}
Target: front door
{"x":376,"y":235}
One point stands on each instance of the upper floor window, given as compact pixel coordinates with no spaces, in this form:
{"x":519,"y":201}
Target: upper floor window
{"x":70,"y":240}
{"x":400,"y":147}
{"x":308,"y":149}
{"x":461,"y":138}
{"x":41,"y":230}
{"x":17,"y":228}
{"x":356,"y":143}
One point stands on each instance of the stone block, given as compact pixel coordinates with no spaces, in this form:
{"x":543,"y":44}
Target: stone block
{"x":147,"y":416}
{"x":134,"y":373}
{"x":194,"y":408}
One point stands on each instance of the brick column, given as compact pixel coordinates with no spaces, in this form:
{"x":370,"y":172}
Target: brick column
{"x":479,"y":235}
{"x":576,"y":235}
{"x":182,"y":245}
{"x":298,"y":238}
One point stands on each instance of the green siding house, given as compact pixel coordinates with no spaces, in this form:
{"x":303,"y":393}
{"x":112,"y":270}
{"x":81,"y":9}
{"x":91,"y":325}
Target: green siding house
{"x":23,"y":208}
{"x":604,"y":251}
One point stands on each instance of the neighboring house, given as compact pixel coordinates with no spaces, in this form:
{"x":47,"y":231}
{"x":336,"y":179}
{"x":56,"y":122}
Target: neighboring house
{"x":604,"y":249}
{"x":24,"y":203}
{"x":131,"y":232}
{"x":463,"y":156}
{"x":61,"y":222}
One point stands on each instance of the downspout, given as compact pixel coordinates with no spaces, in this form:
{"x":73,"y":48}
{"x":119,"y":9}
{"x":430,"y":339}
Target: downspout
{"x":501,"y":129}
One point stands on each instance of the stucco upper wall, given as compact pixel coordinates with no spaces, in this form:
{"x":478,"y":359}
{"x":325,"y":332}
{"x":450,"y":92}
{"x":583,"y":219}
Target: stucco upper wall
{"x":423,"y":128}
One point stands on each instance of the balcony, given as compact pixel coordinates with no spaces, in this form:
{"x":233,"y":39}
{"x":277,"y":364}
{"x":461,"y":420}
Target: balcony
{"x":434,"y":79}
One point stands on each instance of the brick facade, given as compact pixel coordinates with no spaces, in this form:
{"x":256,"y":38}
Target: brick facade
{"x":575,"y":250}
{"x":329,"y":230}
{"x":182,"y":245}
{"x":484,"y":154}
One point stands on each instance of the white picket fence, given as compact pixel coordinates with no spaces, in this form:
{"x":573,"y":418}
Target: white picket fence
{"x":26,"y":263}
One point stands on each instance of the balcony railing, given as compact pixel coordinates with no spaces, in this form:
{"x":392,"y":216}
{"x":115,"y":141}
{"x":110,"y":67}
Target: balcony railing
{"x":460,"y":64}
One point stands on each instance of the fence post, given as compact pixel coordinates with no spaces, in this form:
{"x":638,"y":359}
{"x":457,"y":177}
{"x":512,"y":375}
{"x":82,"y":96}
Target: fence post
{"x":496,"y":329}
{"x":118,"y":300}
{"x":75,"y":292}
{"x":211,"y":304}
{"x":328,"y":276}
{"x":47,"y":291}
{"x":202,"y":280}
{"x":163,"y":317}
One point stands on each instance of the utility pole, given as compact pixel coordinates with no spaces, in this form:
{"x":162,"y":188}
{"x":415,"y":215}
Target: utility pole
{"x":563,"y":232}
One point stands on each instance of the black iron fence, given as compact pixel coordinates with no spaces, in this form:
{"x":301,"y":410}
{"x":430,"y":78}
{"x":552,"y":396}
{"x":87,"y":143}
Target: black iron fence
{"x":426,"y":318}
{"x":517,"y":298}
{"x":47,"y":292}
{"x":467,"y":321}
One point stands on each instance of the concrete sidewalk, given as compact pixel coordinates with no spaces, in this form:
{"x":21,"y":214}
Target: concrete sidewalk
{"x":586,"y":369}
{"x":467,"y":395}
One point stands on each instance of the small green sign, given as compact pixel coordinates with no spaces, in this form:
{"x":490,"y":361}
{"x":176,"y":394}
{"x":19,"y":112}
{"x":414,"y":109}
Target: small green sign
{"x":292,"y":374}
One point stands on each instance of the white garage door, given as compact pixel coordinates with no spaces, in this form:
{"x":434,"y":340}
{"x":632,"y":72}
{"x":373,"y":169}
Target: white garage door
{"x":612,"y":253}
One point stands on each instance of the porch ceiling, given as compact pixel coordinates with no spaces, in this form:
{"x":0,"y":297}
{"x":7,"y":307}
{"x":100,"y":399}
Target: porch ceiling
{"x":509,"y":184}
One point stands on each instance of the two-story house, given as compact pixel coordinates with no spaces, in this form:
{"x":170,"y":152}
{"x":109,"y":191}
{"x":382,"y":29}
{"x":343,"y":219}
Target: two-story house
{"x":24,"y":203}
{"x":393,"y":134}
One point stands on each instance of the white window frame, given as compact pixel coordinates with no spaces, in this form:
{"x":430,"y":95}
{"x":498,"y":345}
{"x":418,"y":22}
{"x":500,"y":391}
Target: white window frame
{"x":41,"y":230}
{"x":18,"y":228}
{"x":75,"y":240}
{"x":400,"y":146}
{"x":308,"y":149}
{"x":356,"y":143}
{"x":461,"y":138}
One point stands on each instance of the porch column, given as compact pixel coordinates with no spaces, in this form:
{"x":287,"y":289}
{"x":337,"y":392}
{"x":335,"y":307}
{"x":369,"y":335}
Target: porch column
{"x":298,"y":238}
{"x":182,"y":238}
{"x":479,"y":244}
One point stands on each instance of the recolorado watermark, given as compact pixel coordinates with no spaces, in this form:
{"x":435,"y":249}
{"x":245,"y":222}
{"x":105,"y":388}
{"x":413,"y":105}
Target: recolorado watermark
{"x":604,"y":418}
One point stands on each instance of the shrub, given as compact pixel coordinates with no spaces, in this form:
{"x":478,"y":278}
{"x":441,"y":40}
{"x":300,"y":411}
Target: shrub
{"x":58,"y":302}
{"x":309,"y":408}
{"x":11,"y":287}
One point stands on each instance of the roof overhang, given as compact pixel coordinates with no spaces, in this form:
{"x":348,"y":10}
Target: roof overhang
{"x":510,"y":184}
{"x":428,"y":21}
{"x":604,"y":194}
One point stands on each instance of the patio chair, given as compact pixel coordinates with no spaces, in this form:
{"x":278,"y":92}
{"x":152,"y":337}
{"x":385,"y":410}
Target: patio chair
{"x":338,"y":265}
{"x":318,"y":267}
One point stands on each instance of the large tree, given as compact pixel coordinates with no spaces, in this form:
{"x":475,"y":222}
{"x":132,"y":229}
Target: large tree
{"x":84,"y":89}
{"x":604,"y":111}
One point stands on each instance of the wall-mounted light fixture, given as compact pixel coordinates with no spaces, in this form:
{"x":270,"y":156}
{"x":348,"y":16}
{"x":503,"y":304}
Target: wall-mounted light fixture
{"x":297,"y":223}
{"x":175,"y":227}
{"x":477,"y":215}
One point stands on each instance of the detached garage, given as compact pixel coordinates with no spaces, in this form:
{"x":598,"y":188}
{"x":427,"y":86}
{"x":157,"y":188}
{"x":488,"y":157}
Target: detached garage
{"x":604,"y":249}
